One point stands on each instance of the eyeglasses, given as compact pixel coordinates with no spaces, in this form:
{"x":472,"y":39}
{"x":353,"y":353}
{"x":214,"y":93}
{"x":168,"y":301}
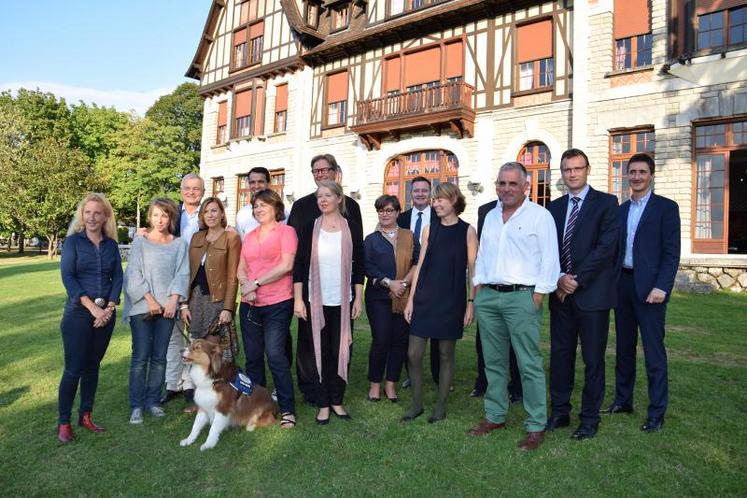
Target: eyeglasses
{"x":386,"y":211}
{"x":321,"y":171}
{"x":192,"y":189}
{"x":573,"y":170}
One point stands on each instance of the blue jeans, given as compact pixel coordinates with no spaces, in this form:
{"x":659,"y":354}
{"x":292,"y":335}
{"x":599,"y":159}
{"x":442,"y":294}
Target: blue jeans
{"x":84,"y":348}
{"x":150,"y":340}
{"x":265,"y":329}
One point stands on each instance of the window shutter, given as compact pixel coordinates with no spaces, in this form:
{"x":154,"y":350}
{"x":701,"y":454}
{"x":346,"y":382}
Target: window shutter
{"x":257,"y":30}
{"x":259,"y":114}
{"x":393,"y":68}
{"x":223,"y":113}
{"x":707,"y":6}
{"x":534,"y":41}
{"x":631,"y":18}
{"x":423,"y":66}
{"x":243,"y":104}
{"x":337,"y":87}
{"x":454,"y":60}
{"x":239,"y":37}
{"x":281,"y":98}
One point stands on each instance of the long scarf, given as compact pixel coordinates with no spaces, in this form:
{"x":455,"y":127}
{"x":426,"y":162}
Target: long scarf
{"x":315,"y":298}
{"x":403,"y":262}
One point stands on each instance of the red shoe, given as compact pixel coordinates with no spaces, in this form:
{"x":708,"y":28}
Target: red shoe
{"x":85,"y":421}
{"x":64,"y":433}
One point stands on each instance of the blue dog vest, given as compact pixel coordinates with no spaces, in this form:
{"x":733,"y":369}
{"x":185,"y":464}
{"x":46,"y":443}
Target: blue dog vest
{"x":242,"y":383}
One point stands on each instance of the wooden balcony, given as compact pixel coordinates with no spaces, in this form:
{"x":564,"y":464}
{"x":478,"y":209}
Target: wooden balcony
{"x":442,"y":105}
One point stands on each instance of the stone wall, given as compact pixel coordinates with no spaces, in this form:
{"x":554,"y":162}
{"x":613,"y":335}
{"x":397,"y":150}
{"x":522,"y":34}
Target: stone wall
{"x":705,"y":275}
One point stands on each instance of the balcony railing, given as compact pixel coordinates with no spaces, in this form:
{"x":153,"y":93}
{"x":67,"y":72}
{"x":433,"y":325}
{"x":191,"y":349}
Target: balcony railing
{"x":443,"y":104}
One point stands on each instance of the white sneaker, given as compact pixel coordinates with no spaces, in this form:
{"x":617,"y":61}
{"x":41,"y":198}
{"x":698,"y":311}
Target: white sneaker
{"x":275,"y":395}
{"x":156,"y":411}
{"x":136,"y":417}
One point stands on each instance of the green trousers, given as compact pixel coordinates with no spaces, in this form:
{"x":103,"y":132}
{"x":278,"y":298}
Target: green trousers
{"x":511,"y":318}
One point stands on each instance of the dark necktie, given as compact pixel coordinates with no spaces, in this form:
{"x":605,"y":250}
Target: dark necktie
{"x":565,"y":253}
{"x":418,"y":226}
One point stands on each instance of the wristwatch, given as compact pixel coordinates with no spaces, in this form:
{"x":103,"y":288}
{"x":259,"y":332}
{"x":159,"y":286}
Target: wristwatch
{"x":405,"y":284}
{"x":386,"y":281}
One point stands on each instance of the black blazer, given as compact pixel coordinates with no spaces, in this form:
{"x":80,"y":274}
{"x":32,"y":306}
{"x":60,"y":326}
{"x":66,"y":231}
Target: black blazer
{"x":404,"y":218}
{"x":302,"y":264}
{"x":482,"y":212}
{"x":305,"y":210}
{"x":178,"y":230}
{"x":594,"y":249}
{"x":656,"y":246}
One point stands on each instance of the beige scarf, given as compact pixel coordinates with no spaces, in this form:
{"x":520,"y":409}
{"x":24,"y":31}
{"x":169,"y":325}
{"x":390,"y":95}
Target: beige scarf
{"x":315,"y":298}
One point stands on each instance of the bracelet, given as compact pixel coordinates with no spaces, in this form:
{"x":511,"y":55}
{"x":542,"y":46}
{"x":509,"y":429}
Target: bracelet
{"x":184,"y":306}
{"x":470,"y":300}
{"x":256,"y":282}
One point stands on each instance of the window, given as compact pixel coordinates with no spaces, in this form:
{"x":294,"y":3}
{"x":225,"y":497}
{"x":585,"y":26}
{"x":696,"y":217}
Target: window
{"x":337,"y":97}
{"x":534,"y":58}
{"x":340,"y":17}
{"x":248,"y":11}
{"x":222,"y":134}
{"x":217,"y":186}
{"x":244,"y":193}
{"x":243,"y":113}
{"x":719,"y":189}
{"x":437,"y":165}
{"x":312,"y":14}
{"x":281,"y":108}
{"x":535,"y":156}
{"x":399,"y":6}
{"x":239,"y":48}
{"x":256,"y":37}
{"x":721,"y":29}
{"x":277,"y":181}
{"x":623,"y":146}
{"x":632,"y":30}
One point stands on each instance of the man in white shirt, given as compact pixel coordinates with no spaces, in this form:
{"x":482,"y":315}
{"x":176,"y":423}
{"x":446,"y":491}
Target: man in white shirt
{"x":259,"y":179}
{"x":517,"y":264}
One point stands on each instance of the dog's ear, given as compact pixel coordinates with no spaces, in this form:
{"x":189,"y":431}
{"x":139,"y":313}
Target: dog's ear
{"x":216,"y":357}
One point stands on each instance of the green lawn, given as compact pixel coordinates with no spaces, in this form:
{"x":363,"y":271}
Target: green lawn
{"x":701,"y":452}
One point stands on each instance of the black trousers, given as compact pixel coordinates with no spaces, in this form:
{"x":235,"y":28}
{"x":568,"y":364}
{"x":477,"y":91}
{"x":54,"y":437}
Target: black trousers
{"x":569,"y":325}
{"x":331,"y":389}
{"x":388,"y":341}
{"x":632,"y":315}
{"x":514,"y":379}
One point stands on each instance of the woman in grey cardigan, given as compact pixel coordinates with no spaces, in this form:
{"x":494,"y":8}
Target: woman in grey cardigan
{"x":156,"y":281}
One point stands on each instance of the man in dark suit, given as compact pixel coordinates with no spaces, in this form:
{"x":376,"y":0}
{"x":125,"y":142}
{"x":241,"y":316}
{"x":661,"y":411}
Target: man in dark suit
{"x":481,"y":381}
{"x":650,"y":255}
{"x":303,"y":212}
{"x":416,"y":219}
{"x":588,"y":235}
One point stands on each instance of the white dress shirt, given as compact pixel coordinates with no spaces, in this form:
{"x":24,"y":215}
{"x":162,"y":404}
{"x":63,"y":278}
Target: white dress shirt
{"x":189,"y":224}
{"x":634,"y":217}
{"x":522,"y":251}
{"x":245,"y":221}
{"x":426,"y":219}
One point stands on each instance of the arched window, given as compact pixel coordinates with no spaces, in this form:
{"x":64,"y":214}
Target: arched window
{"x":535,"y":156}
{"x":436,"y":165}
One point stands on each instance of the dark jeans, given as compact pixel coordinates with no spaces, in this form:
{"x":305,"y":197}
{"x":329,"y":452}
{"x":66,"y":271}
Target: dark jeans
{"x":264,"y":329}
{"x":150,"y":340}
{"x":514,"y":379}
{"x":388,"y":341}
{"x":84,"y":348}
{"x":569,"y":325}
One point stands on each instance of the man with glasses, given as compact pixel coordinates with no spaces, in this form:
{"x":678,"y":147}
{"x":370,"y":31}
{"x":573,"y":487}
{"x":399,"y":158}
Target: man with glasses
{"x":303,"y":212}
{"x":588,"y":229}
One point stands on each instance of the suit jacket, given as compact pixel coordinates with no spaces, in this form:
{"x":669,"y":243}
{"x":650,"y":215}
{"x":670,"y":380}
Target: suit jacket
{"x":594,"y":249}
{"x":482,"y":212}
{"x":178,"y":231}
{"x":305,"y":210}
{"x":404,"y":218}
{"x":656,"y":246}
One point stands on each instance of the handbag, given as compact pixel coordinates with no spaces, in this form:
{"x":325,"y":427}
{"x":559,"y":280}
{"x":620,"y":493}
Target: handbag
{"x":224,"y":334}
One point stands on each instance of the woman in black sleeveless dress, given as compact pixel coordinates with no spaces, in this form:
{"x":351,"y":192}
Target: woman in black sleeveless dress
{"x":438,"y":307}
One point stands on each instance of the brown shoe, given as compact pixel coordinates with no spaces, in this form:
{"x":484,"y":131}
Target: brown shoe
{"x":532,"y":441}
{"x":484,"y":427}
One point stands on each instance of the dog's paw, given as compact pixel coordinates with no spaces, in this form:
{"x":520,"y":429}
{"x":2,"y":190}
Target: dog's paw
{"x":186,"y":442}
{"x":251,"y":427}
{"x":206,"y":446}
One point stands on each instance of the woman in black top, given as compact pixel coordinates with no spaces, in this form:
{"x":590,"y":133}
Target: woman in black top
{"x":391,"y":254}
{"x":91,"y":270}
{"x":438,"y":307}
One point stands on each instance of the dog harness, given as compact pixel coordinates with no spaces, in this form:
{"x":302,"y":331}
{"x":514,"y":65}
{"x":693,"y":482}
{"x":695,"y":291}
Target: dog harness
{"x":242,"y":384}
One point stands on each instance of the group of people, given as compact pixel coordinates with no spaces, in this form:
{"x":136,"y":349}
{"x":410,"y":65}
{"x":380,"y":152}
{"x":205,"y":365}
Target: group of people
{"x":428,"y":275}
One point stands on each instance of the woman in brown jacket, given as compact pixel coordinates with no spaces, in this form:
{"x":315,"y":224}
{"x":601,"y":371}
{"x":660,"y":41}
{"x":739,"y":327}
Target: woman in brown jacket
{"x":213,"y":259}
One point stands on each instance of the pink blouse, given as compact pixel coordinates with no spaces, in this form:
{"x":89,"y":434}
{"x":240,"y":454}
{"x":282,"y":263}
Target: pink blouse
{"x":261,"y":257}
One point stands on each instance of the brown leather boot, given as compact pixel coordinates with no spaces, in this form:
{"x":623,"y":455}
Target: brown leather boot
{"x":86,"y":421}
{"x":532,"y":441}
{"x":64,"y":433}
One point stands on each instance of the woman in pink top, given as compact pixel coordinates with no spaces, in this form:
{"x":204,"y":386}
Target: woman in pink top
{"x":265,"y":275}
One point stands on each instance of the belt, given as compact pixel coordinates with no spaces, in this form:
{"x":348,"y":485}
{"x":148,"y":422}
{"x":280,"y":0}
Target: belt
{"x":627,"y":270}
{"x":509,"y":288}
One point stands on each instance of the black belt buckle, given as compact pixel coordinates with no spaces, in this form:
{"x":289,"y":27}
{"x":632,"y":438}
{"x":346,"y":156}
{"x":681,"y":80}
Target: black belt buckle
{"x":100,"y":302}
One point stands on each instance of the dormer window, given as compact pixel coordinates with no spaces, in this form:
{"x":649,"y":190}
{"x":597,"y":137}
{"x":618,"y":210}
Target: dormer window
{"x":312,"y":15}
{"x":340,"y":17}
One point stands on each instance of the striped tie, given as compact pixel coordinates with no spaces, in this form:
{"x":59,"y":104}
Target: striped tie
{"x":565,"y":253}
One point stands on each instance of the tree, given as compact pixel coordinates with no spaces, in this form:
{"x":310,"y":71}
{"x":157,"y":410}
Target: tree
{"x":182,"y":109}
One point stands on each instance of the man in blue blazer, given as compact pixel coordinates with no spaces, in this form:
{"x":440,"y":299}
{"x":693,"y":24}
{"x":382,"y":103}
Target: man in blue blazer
{"x":650,"y":255}
{"x":588,"y":237}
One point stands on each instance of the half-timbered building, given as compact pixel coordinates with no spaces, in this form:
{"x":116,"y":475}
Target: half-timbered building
{"x":451,"y":89}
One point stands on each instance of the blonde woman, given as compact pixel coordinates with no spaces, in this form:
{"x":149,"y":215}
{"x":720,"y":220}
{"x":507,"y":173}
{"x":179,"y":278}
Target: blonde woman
{"x":92,"y":275}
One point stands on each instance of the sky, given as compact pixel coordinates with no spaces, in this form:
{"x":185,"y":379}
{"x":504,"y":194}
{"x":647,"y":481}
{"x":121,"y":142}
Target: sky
{"x":120,"y":54}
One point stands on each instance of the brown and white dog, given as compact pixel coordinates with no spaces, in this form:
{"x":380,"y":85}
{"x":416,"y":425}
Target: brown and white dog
{"x":220,"y":405}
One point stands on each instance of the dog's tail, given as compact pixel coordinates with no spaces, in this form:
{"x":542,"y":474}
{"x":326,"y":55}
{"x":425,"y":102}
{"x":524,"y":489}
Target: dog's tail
{"x":268,"y":418}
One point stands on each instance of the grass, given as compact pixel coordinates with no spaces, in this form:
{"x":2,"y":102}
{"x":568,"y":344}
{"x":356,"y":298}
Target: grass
{"x":702,"y":450}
